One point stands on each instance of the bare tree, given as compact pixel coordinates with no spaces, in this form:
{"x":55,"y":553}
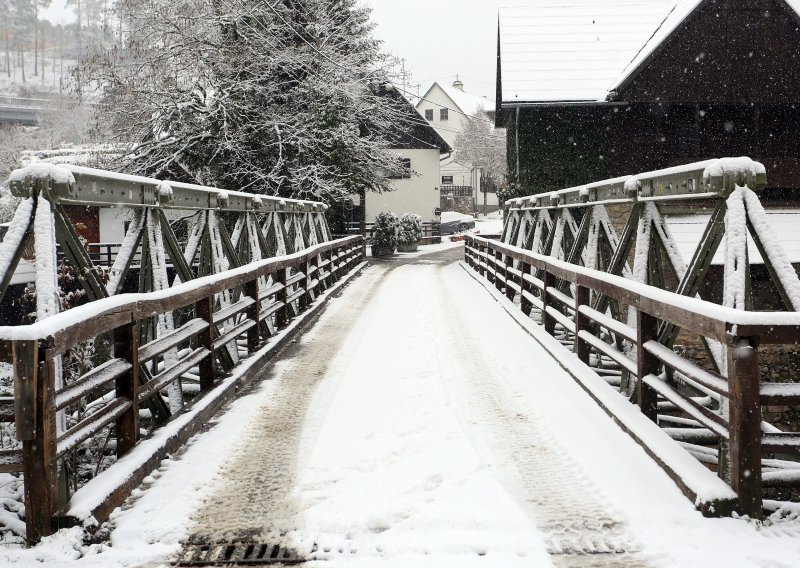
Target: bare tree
{"x":481,"y":146}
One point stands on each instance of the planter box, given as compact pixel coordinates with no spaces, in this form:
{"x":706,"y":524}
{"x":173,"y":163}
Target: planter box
{"x":407,"y":247}
{"x":382,"y":251}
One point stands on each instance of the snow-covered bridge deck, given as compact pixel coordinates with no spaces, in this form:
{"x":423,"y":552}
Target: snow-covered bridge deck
{"x":417,"y":424}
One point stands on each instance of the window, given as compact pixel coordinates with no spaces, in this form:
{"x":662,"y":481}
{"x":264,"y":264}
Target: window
{"x":429,"y":114}
{"x":442,"y":114}
{"x":448,"y":180}
{"x":405,"y":172}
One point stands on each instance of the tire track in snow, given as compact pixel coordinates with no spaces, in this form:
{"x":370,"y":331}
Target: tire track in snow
{"x":578,"y":528}
{"x":254,"y":499}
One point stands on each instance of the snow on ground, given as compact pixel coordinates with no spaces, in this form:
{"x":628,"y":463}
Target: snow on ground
{"x":418,"y":425}
{"x":490,"y":224}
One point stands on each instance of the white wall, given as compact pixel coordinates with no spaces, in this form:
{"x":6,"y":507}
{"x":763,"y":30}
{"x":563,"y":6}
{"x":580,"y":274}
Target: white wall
{"x":418,"y":194}
{"x":456,"y":121}
{"x":113,"y":219}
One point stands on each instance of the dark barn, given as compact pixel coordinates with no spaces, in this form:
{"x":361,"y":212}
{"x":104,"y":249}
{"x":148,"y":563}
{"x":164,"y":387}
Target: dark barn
{"x":597,"y":89}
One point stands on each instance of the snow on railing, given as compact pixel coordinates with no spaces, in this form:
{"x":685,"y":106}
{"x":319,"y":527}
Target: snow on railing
{"x":707,"y":412}
{"x":602,"y":264}
{"x":269,"y":300}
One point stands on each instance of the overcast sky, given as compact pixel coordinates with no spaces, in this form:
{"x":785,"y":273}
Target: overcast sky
{"x":437,"y":38}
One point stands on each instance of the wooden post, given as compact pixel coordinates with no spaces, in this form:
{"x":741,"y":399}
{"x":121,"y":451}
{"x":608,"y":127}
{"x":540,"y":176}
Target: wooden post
{"x":525,"y":287}
{"x":40,"y":467}
{"x":126,"y":346}
{"x":305,"y":297}
{"x":582,"y":323}
{"x":510,"y":293}
{"x":253,"y":312}
{"x":500,"y":275}
{"x":205,"y":310}
{"x":646,"y":364}
{"x":745,"y":425}
{"x":282,"y":314}
{"x":549,"y":321}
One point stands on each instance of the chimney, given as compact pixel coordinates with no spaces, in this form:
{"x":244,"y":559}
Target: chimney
{"x":458,"y":84}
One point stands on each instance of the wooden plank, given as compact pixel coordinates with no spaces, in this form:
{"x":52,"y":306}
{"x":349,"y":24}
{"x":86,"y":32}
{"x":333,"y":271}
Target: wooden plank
{"x":781,"y":443}
{"x":39,"y":455}
{"x":233,"y":333}
{"x":126,"y":347}
{"x":612,"y":325}
{"x":646,"y":364}
{"x":204,"y":309}
{"x":779,"y":394}
{"x":549,"y":281}
{"x":26,"y":367}
{"x":582,"y":348}
{"x":253,"y":313}
{"x":709,"y":380}
{"x":233,"y":309}
{"x":704,"y":416}
{"x":93,"y":383}
{"x":167,"y":376}
{"x":608,"y":350}
{"x":91,"y":425}
{"x":745,"y":426}
{"x":171,"y":339}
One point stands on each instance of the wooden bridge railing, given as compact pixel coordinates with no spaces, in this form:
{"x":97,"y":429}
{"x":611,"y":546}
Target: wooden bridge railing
{"x":531,"y":279}
{"x":726,"y":248}
{"x":264,"y":298}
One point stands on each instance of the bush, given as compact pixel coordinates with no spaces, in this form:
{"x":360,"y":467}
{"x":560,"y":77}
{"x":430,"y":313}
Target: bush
{"x":410,"y":229}
{"x":384,"y":236}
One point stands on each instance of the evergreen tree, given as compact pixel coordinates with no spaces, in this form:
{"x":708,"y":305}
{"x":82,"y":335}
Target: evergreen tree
{"x":283,"y":98}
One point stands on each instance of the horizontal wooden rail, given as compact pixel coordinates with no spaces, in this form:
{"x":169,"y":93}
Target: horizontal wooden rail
{"x":728,"y":408}
{"x":243,"y":306}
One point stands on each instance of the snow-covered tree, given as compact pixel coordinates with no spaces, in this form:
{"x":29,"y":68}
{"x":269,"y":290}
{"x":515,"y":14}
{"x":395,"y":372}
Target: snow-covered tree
{"x":282,"y":97}
{"x":482,"y":147}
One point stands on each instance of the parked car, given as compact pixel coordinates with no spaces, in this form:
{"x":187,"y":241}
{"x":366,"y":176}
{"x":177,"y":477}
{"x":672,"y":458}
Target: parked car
{"x":453,"y":222}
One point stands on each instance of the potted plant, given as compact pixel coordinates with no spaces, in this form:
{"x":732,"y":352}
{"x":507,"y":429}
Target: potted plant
{"x":410,"y":232}
{"x":384,"y":235}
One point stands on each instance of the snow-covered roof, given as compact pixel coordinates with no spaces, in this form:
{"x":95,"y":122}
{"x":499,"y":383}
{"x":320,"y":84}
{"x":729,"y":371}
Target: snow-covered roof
{"x":687,"y":230}
{"x":579,"y":50}
{"x":467,"y":102}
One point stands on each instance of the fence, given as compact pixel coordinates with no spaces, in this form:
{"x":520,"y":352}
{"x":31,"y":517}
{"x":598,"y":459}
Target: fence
{"x":621,"y":302}
{"x":263,"y":300}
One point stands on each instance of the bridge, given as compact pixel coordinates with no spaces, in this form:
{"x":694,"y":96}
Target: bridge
{"x":530,"y":398}
{"x":22,"y":110}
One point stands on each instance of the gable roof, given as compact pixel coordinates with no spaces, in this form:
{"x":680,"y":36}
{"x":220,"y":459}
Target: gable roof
{"x":463,"y":101}
{"x":415,"y":133}
{"x":581,"y":50}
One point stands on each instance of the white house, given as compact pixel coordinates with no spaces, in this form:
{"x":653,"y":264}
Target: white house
{"x":417,"y":191}
{"x":448,"y":109}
